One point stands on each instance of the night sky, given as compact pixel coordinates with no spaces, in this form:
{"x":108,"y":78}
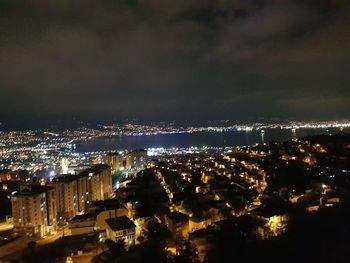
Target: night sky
{"x":157,"y":60}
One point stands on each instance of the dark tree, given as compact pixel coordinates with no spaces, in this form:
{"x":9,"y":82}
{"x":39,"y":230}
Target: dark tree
{"x":152,"y":251}
{"x":187,"y":253}
{"x":116,"y":249}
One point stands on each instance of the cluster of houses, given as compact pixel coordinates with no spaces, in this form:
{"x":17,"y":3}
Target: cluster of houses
{"x":192,"y":195}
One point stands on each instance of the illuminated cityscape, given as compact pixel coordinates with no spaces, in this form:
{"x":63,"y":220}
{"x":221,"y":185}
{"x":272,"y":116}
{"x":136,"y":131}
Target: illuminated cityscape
{"x":162,"y":131}
{"x":188,"y":194}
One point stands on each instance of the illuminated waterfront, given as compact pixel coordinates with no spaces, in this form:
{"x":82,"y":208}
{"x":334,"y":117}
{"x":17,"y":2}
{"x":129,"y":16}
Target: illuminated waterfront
{"x":198,"y":139}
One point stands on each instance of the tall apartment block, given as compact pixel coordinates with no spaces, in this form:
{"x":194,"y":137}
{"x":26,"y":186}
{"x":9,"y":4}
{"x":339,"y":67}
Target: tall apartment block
{"x":136,"y":159}
{"x":74,"y":191}
{"x":37,"y":209}
{"x":34,"y":211}
{"x":115,"y":161}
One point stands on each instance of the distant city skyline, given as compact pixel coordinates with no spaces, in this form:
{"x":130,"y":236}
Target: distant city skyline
{"x":74,"y":123}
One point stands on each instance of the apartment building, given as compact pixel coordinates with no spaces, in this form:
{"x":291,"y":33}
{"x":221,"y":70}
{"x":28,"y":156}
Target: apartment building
{"x":33,"y":211}
{"x":37,"y":209}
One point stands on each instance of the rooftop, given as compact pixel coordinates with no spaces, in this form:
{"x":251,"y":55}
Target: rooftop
{"x":96,"y":169}
{"x":84,"y":217}
{"x":108,"y":204}
{"x":65,"y":178}
{"x":28,"y":192}
{"x":120,"y":223}
{"x":178,"y":217}
{"x":32,"y":190}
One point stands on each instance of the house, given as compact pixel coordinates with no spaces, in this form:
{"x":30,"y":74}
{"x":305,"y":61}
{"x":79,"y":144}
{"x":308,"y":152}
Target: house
{"x":274,"y":221}
{"x":178,"y":224}
{"x":197,"y":223}
{"x":105,"y":209}
{"x":82,"y":224}
{"x":121,"y":228}
{"x":102,"y":216}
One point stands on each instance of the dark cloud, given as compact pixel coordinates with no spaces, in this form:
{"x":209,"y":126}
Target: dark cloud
{"x":164,"y":59}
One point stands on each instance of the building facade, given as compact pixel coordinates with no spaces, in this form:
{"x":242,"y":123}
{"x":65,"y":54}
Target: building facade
{"x":99,"y":184}
{"x":37,"y":209}
{"x":121,"y":228}
{"x":74,"y":191}
{"x":33,"y":211}
{"x":136,"y":160}
{"x":66,"y":191}
{"x":115,"y":161}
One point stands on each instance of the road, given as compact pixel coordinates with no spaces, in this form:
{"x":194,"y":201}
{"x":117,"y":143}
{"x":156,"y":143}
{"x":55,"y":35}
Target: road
{"x":6,"y":226}
{"x":54,"y":237}
{"x":13,"y":249}
{"x":85,"y":258}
